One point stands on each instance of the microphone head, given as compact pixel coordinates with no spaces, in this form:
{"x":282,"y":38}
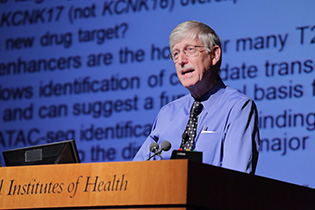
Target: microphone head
{"x":154,"y":147}
{"x":166,"y":145}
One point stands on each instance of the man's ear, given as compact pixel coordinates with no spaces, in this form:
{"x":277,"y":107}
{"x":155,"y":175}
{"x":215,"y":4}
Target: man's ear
{"x":215,"y":55}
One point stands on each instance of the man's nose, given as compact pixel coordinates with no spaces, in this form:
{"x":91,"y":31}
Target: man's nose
{"x":182,"y":59}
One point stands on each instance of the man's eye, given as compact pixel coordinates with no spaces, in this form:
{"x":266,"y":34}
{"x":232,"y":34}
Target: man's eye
{"x":190,"y":49}
{"x":175,"y":54}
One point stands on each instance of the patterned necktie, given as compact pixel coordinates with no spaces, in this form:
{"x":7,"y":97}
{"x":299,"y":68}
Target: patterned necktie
{"x":189,"y":134}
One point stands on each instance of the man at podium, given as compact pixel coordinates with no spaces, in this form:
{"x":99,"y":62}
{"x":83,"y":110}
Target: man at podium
{"x":214,"y":119}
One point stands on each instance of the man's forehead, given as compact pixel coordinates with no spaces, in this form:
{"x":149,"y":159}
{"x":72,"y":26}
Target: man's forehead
{"x":186,"y":42}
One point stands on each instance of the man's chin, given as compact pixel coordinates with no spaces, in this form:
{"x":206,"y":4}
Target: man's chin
{"x":189,"y":84}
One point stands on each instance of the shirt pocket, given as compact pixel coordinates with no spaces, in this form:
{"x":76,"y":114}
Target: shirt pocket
{"x":209,"y":143}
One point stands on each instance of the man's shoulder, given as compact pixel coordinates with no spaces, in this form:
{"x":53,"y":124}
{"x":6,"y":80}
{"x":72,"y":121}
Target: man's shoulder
{"x":234,"y":98}
{"x":177,"y":103}
{"x":235,"y":95}
{"x":225,"y":98}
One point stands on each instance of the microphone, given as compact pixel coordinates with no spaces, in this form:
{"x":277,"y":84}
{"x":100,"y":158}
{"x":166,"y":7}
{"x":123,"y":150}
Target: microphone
{"x":154,"y":147}
{"x":166,"y":145}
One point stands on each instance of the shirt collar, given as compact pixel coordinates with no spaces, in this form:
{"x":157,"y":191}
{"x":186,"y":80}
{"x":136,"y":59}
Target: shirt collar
{"x":219,"y":85}
{"x":211,"y":96}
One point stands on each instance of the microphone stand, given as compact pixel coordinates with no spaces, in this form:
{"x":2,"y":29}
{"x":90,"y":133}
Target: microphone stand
{"x":156,"y":153}
{"x":160,"y":156}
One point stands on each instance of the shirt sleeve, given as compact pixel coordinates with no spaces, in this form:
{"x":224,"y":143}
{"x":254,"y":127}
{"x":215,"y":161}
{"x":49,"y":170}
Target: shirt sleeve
{"x":144,"y":151}
{"x":241,"y":138}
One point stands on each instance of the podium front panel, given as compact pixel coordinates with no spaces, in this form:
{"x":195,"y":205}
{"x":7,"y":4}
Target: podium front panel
{"x":150,"y":183}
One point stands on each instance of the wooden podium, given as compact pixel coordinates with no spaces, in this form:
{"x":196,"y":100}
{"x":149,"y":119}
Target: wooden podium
{"x":171,"y":184}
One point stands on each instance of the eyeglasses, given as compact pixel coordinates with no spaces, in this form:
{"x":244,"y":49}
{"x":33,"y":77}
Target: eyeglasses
{"x":189,"y":51}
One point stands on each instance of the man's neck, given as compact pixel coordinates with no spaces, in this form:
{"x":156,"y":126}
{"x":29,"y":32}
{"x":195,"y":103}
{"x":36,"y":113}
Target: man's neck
{"x":201,"y":90}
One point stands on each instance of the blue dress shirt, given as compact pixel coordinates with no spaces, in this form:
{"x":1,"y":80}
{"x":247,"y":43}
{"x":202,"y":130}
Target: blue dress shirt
{"x":227,"y":131}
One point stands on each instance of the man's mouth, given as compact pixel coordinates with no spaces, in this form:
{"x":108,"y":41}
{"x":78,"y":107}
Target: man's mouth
{"x":187,"y":71}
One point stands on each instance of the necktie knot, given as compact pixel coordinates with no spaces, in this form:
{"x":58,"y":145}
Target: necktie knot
{"x":196,"y":108}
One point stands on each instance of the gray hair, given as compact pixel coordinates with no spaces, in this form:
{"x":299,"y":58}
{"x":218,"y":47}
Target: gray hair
{"x":193,"y":30}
